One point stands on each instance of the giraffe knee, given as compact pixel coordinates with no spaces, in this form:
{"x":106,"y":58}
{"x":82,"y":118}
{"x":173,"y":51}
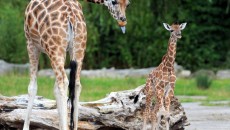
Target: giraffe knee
{"x":78,"y":86}
{"x":66,"y":82}
{"x":60,"y":90}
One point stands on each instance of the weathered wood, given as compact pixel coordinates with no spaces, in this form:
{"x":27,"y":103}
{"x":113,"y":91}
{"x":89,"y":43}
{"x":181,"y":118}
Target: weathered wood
{"x":116,"y":111}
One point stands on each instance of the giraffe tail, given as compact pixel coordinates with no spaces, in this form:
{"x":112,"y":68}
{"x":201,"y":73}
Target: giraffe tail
{"x":73,"y":66}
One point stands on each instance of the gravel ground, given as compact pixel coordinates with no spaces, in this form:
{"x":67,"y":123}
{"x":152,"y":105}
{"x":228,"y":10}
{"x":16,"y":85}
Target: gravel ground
{"x":207,"y":117}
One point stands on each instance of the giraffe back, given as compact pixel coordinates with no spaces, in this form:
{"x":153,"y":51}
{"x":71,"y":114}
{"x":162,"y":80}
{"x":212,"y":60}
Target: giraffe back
{"x":46,"y":24}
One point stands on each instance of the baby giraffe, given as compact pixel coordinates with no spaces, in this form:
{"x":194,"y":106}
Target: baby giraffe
{"x":161,"y":82}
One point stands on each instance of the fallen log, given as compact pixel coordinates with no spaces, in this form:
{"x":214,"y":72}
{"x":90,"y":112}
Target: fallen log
{"x":116,"y":111}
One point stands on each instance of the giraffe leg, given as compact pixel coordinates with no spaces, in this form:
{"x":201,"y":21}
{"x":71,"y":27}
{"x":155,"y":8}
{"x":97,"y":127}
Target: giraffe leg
{"x":77,"y":93}
{"x":146,"y":112}
{"x":160,"y":115}
{"x":32,"y":88}
{"x":154,"y":121}
{"x":156,"y":117}
{"x":148,"y":103}
{"x":60,"y":90}
{"x":167,"y":107}
{"x":76,"y":103}
{"x":157,"y":108}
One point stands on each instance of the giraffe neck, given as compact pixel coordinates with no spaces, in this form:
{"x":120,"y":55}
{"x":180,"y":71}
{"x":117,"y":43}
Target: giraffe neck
{"x":96,"y":1}
{"x":170,"y":56}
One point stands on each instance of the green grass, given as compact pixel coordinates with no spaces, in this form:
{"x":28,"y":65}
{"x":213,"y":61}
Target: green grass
{"x":92,"y":88}
{"x":219,"y":90}
{"x":97,"y":88}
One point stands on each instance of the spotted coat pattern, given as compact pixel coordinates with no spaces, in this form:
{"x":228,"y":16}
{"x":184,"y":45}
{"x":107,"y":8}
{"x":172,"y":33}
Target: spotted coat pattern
{"x":160,"y":83}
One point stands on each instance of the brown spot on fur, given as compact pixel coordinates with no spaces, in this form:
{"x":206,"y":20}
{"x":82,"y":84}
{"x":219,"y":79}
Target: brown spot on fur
{"x":49,"y":31}
{"x":34,"y":4}
{"x":79,"y":26}
{"x":34,"y":36}
{"x":168,"y":64}
{"x":62,"y":32}
{"x":83,"y":45}
{"x":34,"y":32}
{"x":62,"y":50}
{"x":51,"y":43}
{"x":79,"y":54}
{"x":48,"y":23}
{"x":57,"y":40}
{"x":165,"y":69}
{"x":56,"y":24}
{"x":37,"y":10}
{"x":55,"y":30}
{"x":54,"y":6}
{"x":41,"y":16}
{"x":171,"y":59}
{"x":165,"y":78}
{"x":30,"y":20}
{"x":47,"y":2}
{"x":36,"y":26}
{"x":63,"y":17}
{"x":63,"y":8}
{"x":54,"y":16}
{"x":45,"y":37}
{"x":52,"y":52}
{"x":172,"y":78}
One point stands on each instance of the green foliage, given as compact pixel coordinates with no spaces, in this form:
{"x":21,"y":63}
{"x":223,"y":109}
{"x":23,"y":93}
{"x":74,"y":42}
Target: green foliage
{"x":12,"y":41}
{"x":205,"y":41}
{"x":204,"y":78}
{"x":203,"y":81}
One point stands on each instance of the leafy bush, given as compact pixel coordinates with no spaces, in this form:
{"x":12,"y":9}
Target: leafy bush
{"x":203,"y":81}
{"x":204,"y":78}
{"x":205,"y":42}
{"x":12,"y":40}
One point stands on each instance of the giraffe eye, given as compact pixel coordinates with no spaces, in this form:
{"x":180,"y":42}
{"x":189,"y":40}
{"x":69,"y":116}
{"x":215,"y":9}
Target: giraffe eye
{"x":171,"y":30}
{"x":114,"y":2}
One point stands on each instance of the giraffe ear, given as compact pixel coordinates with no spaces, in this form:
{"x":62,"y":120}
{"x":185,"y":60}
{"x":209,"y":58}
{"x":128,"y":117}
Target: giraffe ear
{"x":182,"y":26}
{"x":167,"y":26}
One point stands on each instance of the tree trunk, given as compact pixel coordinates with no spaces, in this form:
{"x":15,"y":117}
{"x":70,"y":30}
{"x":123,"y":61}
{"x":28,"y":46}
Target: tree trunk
{"x":116,"y":111}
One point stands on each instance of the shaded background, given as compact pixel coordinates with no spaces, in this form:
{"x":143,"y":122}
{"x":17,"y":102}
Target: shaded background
{"x":205,"y":42}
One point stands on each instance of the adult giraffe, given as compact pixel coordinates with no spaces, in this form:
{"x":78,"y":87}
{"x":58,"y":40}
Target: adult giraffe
{"x":55,"y":27}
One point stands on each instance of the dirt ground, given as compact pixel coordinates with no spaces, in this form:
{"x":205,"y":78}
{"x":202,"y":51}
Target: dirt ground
{"x":207,"y":117}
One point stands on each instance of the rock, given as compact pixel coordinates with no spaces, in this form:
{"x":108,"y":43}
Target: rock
{"x":46,"y":72}
{"x":184,"y":74}
{"x":111,"y":73}
{"x":178,"y":68}
{"x":6,"y":68}
{"x":223,"y":74}
{"x":104,"y":72}
{"x":209,"y":73}
{"x":116,"y":73}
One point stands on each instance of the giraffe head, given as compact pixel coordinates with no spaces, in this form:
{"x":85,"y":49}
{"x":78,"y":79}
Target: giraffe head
{"x":175,"y":29}
{"x":117,"y":9}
